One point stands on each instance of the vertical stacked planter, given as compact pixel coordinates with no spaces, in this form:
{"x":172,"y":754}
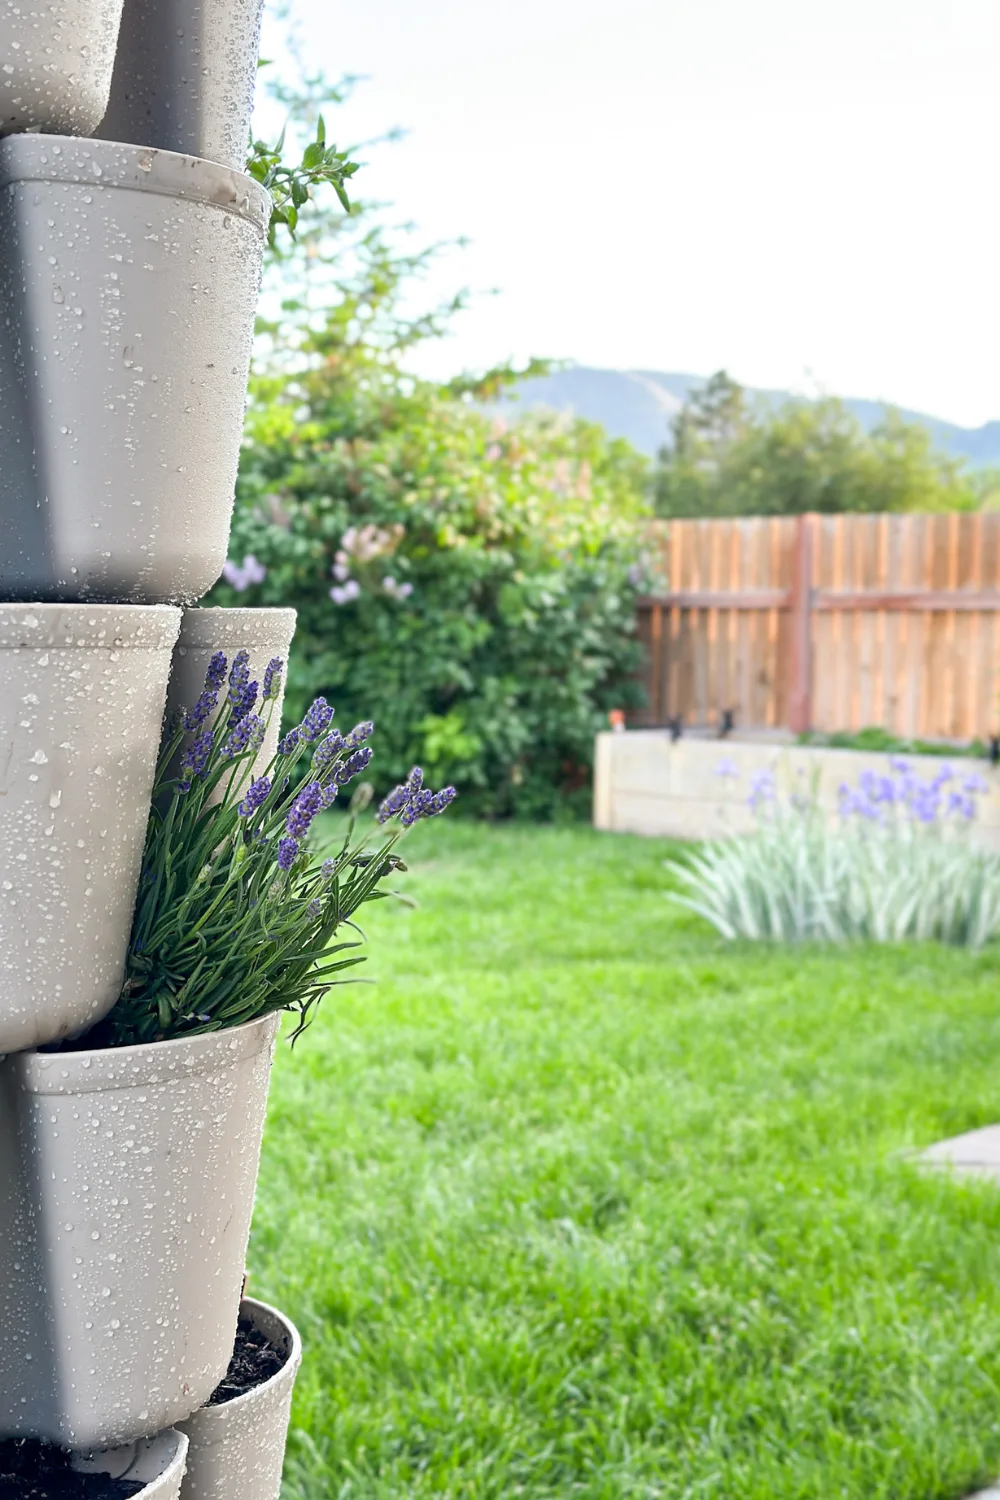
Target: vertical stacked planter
{"x":129,"y":271}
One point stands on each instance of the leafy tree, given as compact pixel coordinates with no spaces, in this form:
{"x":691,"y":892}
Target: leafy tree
{"x":731,"y":458}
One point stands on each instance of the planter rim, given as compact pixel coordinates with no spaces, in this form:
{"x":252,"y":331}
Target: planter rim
{"x":210,"y":1417}
{"x":205,"y":629}
{"x":42,"y":627}
{"x":146,"y":169}
{"x":89,"y":1072}
{"x":174,"y":1443}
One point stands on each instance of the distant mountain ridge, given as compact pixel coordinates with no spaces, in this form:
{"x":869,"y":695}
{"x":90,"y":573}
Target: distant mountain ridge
{"x":639,"y":404}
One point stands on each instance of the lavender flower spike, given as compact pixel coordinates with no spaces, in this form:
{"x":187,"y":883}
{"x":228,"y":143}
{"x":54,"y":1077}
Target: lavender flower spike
{"x":239,"y":676}
{"x":214,"y":678}
{"x":413,"y":800}
{"x":248,"y":734}
{"x":327,"y":750}
{"x":354,"y":765}
{"x":245,"y":703}
{"x":316,"y":721}
{"x":287,"y":850}
{"x":272,"y":678}
{"x":359,"y":734}
{"x":288,"y":744}
{"x":216,"y":674}
{"x":401,"y":795}
{"x":194,"y":720}
{"x":257,"y":794}
{"x":305,"y":807}
{"x":194,"y":760}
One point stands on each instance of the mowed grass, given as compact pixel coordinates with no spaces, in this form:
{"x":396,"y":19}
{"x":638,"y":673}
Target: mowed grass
{"x":580,"y":1201}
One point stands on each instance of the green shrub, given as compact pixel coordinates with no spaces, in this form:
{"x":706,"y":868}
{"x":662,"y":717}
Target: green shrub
{"x":470,"y":585}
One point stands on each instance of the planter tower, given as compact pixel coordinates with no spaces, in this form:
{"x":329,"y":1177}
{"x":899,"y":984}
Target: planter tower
{"x":131,"y":244}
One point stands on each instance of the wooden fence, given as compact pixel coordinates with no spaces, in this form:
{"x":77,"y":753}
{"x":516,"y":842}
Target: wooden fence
{"x":827,"y":623}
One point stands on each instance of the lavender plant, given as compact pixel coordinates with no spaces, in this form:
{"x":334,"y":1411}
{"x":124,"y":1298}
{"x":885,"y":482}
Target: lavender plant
{"x":237,"y":916}
{"x":892,"y":864}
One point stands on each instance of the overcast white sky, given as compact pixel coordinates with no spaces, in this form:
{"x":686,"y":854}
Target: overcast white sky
{"x":802,"y":191}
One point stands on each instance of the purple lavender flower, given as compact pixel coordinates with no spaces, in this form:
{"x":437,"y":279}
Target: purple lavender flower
{"x":239,"y":676}
{"x":248,"y":734}
{"x":359,"y":734}
{"x":214,"y":678}
{"x":401,"y":795}
{"x":353,"y":765}
{"x":194,"y":760}
{"x":316,"y":721}
{"x":287,"y":850}
{"x":327,"y":750}
{"x":328,"y":868}
{"x":315,"y":907}
{"x":257,"y":794}
{"x":975,"y":783}
{"x":272,"y":678}
{"x":302,"y":811}
{"x":196,"y":718}
{"x":329,"y":796}
{"x":216,"y":674}
{"x":246,"y":702}
{"x":288,"y":744}
{"x":412,"y":800}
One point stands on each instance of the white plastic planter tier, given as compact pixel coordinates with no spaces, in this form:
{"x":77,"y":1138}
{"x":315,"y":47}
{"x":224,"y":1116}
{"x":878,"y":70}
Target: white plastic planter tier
{"x":127,"y":1178}
{"x":265,"y":633}
{"x":158,"y":1463}
{"x":128,"y":286}
{"x":57,"y":61}
{"x":184,"y":77}
{"x":82,"y":689}
{"x":237,"y":1448}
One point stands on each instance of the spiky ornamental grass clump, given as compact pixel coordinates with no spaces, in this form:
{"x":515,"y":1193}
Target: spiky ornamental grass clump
{"x":892,"y":866}
{"x":236,"y":916}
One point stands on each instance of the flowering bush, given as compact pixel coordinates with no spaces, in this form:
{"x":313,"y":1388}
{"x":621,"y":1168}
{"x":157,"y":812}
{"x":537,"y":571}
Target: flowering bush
{"x":236,"y":917}
{"x":892,"y":864}
{"x":470,"y":583}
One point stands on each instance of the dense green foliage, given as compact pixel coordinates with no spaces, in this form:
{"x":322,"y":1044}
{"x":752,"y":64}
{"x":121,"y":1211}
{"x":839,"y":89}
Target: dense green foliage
{"x":468,"y":585}
{"x":585,"y":1202}
{"x":730,"y":457}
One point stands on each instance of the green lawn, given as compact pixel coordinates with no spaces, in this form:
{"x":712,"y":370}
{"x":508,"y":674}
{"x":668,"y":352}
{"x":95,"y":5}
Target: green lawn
{"x":579,"y":1201}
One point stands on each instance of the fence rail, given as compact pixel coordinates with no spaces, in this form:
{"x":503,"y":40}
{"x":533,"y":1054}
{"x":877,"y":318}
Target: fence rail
{"x":826,"y":622}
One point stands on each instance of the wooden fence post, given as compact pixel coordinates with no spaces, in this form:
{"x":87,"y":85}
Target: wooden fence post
{"x":801,"y":665}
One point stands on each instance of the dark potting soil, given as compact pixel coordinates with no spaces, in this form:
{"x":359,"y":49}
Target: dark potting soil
{"x":254,"y":1361}
{"x":36,"y":1471}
